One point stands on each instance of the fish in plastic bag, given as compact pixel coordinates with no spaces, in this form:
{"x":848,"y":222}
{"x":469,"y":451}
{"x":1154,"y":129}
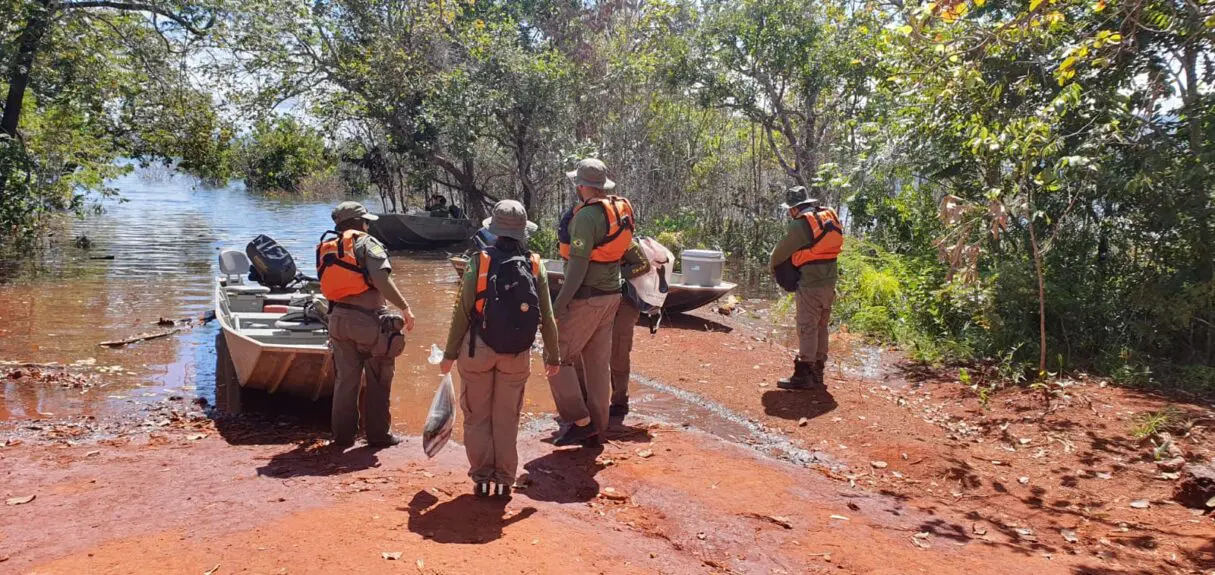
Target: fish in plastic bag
{"x":442,"y":415}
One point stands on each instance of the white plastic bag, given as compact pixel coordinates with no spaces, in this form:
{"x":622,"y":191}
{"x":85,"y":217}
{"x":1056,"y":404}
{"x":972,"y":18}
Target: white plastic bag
{"x":442,"y":415}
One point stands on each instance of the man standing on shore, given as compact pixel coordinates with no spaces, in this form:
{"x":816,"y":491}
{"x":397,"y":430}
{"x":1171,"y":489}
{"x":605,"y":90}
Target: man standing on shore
{"x":804,"y":262}
{"x":354,"y":271}
{"x":601,"y":231}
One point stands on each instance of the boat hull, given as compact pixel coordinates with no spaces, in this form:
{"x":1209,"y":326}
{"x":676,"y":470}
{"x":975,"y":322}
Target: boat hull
{"x":419,"y":231}
{"x":298,"y":369}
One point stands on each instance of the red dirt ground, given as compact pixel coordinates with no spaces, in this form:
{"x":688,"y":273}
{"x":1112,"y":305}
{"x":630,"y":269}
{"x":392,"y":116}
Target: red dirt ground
{"x":928,"y":482}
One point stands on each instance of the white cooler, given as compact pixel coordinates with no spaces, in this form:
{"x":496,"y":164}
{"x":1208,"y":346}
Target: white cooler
{"x":702,"y":267}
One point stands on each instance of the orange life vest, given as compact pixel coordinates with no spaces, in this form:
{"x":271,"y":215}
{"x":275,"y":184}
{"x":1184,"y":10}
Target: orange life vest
{"x":826,"y":237}
{"x":483,"y":263}
{"x":611,"y":248}
{"x":337,"y":267}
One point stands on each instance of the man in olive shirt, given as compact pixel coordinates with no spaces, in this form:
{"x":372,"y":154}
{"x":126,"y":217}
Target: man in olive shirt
{"x":585,"y":309}
{"x":354,"y":326}
{"x":814,"y":297}
{"x":633,"y":265}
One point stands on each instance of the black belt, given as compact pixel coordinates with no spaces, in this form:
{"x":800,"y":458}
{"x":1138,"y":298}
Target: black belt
{"x":352,"y":307}
{"x":586,"y":292}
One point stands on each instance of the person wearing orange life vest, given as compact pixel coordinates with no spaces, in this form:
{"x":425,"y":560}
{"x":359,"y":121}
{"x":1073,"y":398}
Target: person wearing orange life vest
{"x":354,"y":270}
{"x":804,"y":261}
{"x":601,"y":231}
{"x":503,"y":298}
{"x":633,"y":264}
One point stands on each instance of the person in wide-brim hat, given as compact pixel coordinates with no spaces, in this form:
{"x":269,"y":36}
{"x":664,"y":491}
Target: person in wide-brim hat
{"x":509,"y":220}
{"x":592,"y":173}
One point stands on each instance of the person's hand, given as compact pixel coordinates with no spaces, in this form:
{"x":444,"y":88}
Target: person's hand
{"x":445,"y":366}
{"x":551,"y":370}
{"x":408,"y":320}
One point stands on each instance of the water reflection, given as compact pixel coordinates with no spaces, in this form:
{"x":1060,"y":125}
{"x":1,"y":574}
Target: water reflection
{"x":164,"y":238}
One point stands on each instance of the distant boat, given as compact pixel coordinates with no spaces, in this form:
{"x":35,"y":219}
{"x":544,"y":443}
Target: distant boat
{"x":419,"y":230}
{"x":681,"y":297}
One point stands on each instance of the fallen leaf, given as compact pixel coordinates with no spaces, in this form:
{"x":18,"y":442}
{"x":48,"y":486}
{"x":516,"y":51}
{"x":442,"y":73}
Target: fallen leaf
{"x":20,"y":500}
{"x":92,"y":453}
{"x":803,"y":422}
{"x":1141,"y":504}
{"x":391,"y":555}
{"x":1105,"y":475}
{"x":701,"y":536}
{"x":840,"y":517}
{"x":978,"y":529}
{"x":878,"y":464}
{"x":645,"y":454}
{"x":421,"y":564}
{"x":1211,"y":502}
{"x":854,"y":506}
{"x":921,"y":540}
{"x":1069,"y":535}
{"x":196,"y":436}
{"x":1023,"y":480}
{"x":212,"y":570}
{"x":777,"y":519}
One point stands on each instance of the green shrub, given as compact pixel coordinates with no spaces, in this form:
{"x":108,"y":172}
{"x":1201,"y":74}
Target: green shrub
{"x":544,"y":241}
{"x":279,"y":155}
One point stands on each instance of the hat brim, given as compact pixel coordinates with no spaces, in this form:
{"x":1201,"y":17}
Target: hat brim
{"x":786,"y":206}
{"x":607,"y":184}
{"x":370,"y":217}
{"x":515,"y":233}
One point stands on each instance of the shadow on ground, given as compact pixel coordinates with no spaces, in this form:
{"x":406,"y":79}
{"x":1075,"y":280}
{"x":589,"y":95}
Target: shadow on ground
{"x":795,"y":405}
{"x":565,"y":476}
{"x":308,"y":459}
{"x":466,"y":519}
{"x":691,"y":322}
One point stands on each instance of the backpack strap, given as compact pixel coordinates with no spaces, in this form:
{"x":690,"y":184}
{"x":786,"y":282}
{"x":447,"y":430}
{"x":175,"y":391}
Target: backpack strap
{"x":484,"y":261}
{"x":536,"y":267}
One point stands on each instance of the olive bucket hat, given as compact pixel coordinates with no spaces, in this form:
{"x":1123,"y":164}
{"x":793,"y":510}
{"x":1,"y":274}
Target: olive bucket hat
{"x":797,"y":196}
{"x":347,"y":211}
{"x":509,"y":220}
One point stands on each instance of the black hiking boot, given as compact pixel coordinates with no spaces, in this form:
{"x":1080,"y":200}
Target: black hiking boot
{"x":618,"y":411}
{"x":481,"y":489}
{"x":819,"y":369}
{"x":575,"y":435}
{"x":385,"y":442}
{"x":802,"y":378}
{"x":502,"y":491}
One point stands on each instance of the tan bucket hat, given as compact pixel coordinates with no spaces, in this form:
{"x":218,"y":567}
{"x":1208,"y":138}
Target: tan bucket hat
{"x":346,"y":211}
{"x":510,"y":221}
{"x":592,"y":173}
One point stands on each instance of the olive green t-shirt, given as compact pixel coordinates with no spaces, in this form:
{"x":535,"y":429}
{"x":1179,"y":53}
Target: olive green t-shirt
{"x":587,"y":228}
{"x":797,"y":236}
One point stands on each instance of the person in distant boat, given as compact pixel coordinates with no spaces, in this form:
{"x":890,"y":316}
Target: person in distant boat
{"x":439,"y":208}
{"x":354,"y":272}
{"x":502,"y":300}
{"x":804,"y":262}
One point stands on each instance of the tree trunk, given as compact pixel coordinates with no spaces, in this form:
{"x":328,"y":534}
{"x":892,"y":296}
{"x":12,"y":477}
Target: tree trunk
{"x":1037,"y":253}
{"x":36,"y":25}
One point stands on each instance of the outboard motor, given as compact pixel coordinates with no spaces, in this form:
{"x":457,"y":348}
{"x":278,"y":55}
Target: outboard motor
{"x":272,"y":264}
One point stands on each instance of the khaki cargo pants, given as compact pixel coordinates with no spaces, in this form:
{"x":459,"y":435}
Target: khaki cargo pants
{"x":351,"y":337}
{"x":491,"y":397}
{"x":813,"y":319}
{"x":622,"y":350}
{"x":585,"y":331}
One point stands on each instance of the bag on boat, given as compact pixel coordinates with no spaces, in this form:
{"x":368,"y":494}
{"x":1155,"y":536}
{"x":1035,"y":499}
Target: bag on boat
{"x":651,"y":287}
{"x":441,"y":418}
{"x":391,"y":340}
{"x":274,"y":266}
